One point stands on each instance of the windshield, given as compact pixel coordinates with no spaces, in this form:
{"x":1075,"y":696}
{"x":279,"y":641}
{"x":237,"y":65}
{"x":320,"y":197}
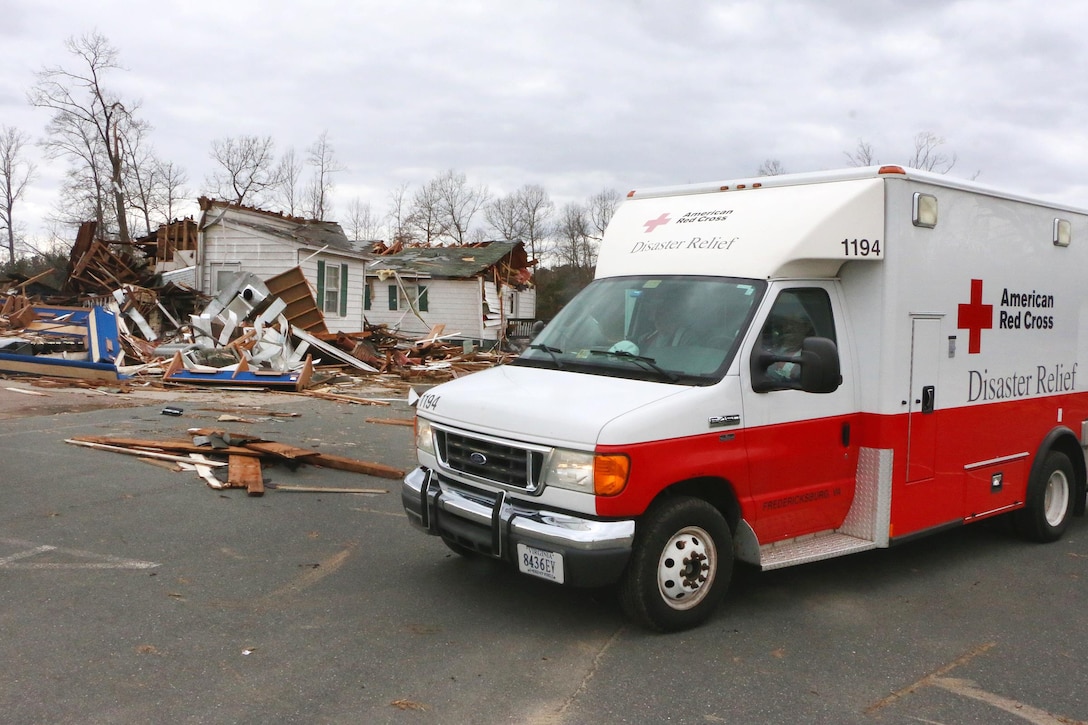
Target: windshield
{"x":677,"y":329}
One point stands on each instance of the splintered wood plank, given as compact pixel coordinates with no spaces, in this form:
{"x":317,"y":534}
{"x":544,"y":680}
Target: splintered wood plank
{"x":308,"y":456}
{"x":245,"y":472}
{"x":281,"y":450}
{"x":137,"y":452}
{"x":340,"y":463}
{"x":179,"y":446}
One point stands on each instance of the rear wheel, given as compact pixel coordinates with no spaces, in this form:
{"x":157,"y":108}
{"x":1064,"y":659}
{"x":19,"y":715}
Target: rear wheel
{"x":680,"y":566}
{"x":1049,"y":504}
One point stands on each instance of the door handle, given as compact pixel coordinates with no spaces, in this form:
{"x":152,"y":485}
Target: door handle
{"x":929,"y":398}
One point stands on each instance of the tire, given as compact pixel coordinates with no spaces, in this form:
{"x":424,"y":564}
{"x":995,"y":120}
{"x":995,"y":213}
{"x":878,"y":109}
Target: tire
{"x":1049,"y":504}
{"x":680,"y":566}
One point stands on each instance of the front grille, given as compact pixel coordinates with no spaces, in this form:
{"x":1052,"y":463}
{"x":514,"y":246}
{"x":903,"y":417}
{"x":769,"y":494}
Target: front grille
{"x":500,"y":463}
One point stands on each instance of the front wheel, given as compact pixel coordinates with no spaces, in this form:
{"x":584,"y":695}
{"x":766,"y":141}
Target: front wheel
{"x":680,"y":566}
{"x":1049,"y":504}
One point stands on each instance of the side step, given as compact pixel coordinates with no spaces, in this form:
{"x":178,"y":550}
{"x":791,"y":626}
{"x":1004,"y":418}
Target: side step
{"x":815,"y":547}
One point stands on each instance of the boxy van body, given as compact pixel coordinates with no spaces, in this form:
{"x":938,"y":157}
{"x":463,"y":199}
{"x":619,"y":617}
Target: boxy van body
{"x":775,"y":371}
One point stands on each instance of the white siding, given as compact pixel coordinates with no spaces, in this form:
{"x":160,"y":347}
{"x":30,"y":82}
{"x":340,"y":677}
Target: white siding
{"x":226,"y":248}
{"x":456,"y":303}
{"x":233,"y":247}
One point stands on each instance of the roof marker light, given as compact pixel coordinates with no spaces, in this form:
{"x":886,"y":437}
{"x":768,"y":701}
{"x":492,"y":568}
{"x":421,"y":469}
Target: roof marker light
{"x":1063,"y":232}
{"x":924,"y":213}
{"x":892,"y":170}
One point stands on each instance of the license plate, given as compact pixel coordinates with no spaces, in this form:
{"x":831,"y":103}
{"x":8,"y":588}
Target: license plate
{"x":544,"y":564}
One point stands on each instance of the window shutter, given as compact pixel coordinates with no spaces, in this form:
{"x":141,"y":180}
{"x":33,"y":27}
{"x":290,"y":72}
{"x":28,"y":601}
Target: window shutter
{"x":320,"y":285}
{"x":343,"y":290}
{"x":422,"y":298}
{"x":392,"y":297}
{"x":366,"y":295}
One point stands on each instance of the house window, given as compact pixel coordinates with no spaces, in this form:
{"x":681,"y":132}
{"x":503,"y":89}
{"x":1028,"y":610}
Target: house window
{"x":404,"y":297}
{"x":331,"y":303}
{"x":332,"y":288}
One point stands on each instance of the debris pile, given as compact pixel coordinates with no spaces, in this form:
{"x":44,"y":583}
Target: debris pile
{"x":116,"y":319}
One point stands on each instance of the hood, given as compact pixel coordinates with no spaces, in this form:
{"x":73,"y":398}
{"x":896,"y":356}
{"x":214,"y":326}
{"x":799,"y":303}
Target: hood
{"x":550,"y":407}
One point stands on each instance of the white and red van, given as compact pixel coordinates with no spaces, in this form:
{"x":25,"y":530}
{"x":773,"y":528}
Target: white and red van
{"x":775,"y":371}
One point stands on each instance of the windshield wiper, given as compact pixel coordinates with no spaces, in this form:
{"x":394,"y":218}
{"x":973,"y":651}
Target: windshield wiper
{"x":555,"y":352}
{"x":647,"y":363}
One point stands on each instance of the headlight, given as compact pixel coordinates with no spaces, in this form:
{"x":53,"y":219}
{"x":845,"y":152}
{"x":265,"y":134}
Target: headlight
{"x":424,"y":435}
{"x":599,"y":474}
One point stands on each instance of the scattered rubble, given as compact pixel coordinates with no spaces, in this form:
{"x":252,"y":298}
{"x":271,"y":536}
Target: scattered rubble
{"x":115,"y":321}
{"x":244,"y":454}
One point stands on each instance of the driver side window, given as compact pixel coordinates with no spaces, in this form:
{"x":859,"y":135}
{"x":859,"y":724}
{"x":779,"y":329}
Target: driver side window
{"x":797,"y":313}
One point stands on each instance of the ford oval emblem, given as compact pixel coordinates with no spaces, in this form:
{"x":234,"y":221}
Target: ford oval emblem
{"x":478,"y":458}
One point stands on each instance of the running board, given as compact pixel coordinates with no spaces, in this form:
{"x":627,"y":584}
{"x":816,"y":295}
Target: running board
{"x":814,"y":547}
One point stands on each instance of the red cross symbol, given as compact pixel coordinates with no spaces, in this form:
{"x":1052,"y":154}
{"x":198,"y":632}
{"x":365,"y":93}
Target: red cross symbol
{"x":975,"y":317}
{"x":655,"y":223}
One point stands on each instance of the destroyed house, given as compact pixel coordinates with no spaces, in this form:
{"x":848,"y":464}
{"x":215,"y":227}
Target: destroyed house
{"x":474,"y":290}
{"x":235,"y":239}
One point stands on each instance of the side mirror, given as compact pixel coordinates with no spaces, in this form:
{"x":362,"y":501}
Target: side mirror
{"x":820,"y":372}
{"x":815,"y":369}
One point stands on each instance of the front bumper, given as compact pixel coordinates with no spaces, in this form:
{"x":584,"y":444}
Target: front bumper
{"x":595,"y":552}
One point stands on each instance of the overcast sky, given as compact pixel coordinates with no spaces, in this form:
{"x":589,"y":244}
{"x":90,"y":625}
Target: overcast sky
{"x":580,"y":95}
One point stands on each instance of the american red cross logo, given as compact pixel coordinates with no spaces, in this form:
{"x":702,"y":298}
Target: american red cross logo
{"x":655,"y":223}
{"x":975,"y":317}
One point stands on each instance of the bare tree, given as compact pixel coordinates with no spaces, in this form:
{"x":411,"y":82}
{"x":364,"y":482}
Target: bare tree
{"x":172,"y":180}
{"x":863,"y":155}
{"x":15,"y":173}
{"x":537,"y":209}
{"x":599,"y":210}
{"x":362,"y":225}
{"x":141,"y":173}
{"x":504,"y":215}
{"x":427,"y":222}
{"x":457,"y":203}
{"x":89,"y":123}
{"x":927,"y":156}
{"x":323,"y":160}
{"x":524,"y":215}
{"x":248,"y":170}
{"x":771,"y":167}
{"x":400,"y":216}
{"x":574,"y":246}
{"x":289,"y":173}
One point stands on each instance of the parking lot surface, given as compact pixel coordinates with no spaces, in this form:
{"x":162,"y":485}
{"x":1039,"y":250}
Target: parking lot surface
{"x":133,"y":593}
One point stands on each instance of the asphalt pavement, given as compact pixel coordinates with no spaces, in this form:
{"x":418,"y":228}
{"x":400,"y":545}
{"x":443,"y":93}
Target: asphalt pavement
{"x":132,"y":593}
